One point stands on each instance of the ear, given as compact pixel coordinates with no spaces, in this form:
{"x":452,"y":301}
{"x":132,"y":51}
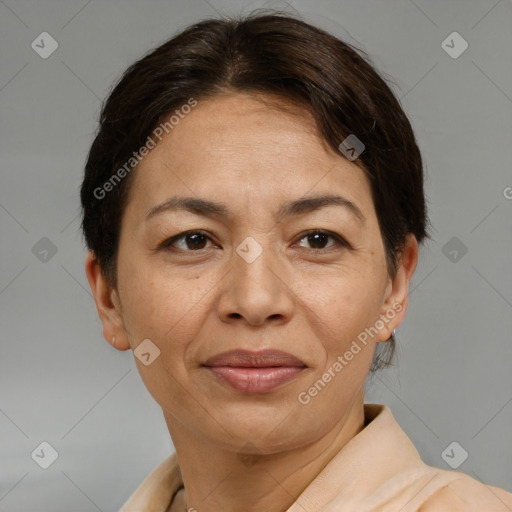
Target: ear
{"x":107,"y":303}
{"x":396,"y":301}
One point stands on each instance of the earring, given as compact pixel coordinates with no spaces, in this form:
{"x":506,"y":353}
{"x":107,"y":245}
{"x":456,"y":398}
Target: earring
{"x":114,"y":341}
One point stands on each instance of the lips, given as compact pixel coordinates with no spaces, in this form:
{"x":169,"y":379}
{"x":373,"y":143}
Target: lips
{"x":255,"y":372}
{"x":247,"y":359}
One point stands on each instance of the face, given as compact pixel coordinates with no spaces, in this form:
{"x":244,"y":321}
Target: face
{"x":266,"y":267}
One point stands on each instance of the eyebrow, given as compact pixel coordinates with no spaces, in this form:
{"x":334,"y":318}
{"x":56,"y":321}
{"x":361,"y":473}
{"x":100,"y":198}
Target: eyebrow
{"x":297,"y":207}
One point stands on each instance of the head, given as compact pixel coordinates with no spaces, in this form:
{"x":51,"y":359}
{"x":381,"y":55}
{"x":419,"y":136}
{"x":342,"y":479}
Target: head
{"x":234,"y":132}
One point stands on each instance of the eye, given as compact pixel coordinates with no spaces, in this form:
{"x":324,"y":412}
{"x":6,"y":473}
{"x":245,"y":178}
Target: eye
{"x":193,"y":241}
{"x":190,"y":241}
{"x":317,"y":237}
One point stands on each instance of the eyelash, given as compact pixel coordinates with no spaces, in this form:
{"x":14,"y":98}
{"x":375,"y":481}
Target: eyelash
{"x":340,"y":240}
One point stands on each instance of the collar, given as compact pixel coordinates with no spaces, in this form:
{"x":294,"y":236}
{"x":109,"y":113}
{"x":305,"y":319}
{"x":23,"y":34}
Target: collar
{"x":377,"y":453}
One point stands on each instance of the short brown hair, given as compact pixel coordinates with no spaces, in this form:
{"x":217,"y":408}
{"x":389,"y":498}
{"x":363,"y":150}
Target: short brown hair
{"x":274,"y":54}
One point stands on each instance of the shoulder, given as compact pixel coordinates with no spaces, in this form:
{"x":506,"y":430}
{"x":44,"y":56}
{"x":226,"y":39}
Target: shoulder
{"x":157,"y":489}
{"x":466,"y":494}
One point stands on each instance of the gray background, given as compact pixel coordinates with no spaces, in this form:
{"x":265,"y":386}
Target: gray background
{"x":60,"y":382}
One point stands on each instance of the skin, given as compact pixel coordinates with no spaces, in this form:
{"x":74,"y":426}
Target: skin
{"x":308,"y":298}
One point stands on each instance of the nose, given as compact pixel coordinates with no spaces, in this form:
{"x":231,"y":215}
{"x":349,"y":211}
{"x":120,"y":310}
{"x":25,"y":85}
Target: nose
{"x":258,"y":289}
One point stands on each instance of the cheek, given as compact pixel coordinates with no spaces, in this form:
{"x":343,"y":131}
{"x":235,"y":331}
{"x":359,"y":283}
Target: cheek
{"x":341,"y":314}
{"x":155,"y":310}
{"x":346,"y":299}
{"x":162,"y":306}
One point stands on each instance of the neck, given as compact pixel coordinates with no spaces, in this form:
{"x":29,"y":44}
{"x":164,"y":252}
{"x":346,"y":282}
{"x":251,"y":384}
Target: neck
{"x":218,"y":479}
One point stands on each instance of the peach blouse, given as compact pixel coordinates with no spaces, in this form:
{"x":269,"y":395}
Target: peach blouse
{"x":378,"y":470}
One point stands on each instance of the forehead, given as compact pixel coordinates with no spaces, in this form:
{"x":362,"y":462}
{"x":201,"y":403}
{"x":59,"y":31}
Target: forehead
{"x":236,"y":145}
{"x":244,"y":125}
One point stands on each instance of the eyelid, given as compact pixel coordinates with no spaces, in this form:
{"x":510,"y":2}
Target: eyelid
{"x":168,"y":241}
{"x":340,"y":240}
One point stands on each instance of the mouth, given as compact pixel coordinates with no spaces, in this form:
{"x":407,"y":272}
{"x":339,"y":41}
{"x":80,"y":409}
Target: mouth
{"x":255,"y":372}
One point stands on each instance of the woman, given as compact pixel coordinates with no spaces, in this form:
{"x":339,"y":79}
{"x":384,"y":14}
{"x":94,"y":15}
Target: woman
{"x":253,"y":204}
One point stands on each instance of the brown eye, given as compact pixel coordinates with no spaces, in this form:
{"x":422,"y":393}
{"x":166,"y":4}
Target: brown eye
{"x":189,"y":241}
{"x":319,"y":238}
